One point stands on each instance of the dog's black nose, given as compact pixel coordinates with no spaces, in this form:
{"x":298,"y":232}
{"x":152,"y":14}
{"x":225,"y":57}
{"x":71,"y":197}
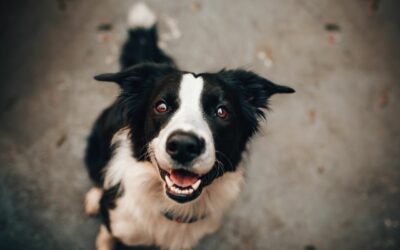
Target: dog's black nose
{"x":184,"y":147}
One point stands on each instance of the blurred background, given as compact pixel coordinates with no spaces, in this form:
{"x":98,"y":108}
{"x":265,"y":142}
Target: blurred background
{"x":323,"y":174}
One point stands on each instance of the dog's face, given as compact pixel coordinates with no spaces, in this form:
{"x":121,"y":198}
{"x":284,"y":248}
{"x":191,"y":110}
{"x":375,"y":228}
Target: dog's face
{"x":192,"y":127}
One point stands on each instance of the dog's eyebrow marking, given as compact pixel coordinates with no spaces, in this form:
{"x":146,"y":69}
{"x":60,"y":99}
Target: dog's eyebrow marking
{"x":189,"y":115}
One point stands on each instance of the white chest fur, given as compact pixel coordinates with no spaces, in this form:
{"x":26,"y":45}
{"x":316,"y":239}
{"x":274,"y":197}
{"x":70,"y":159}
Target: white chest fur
{"x":138,"y":217}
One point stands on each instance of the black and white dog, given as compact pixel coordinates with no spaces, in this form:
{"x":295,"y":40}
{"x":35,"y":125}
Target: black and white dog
{"x":165,"y":156}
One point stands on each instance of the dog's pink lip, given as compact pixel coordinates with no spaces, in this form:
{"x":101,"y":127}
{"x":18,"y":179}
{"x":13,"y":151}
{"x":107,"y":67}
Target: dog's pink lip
{"x":182,"y":177}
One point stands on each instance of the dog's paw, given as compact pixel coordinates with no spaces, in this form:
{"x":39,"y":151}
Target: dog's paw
{"x":104,"y":240}
{"x":92,"y":201}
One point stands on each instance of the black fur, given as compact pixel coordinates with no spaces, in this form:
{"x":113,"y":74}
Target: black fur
{"x":98,"y":150}
{"x":108,"y":201}
{"x":147,"y":76}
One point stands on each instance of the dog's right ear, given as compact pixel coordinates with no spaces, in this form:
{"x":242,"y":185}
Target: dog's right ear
{"x":136,"y":76}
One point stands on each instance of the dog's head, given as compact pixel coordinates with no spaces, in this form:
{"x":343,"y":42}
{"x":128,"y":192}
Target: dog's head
{"x":193,"y":127}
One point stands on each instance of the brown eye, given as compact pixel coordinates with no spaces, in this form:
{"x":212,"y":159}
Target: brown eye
{"x":222,"y":112}
{"x":161,"y":107}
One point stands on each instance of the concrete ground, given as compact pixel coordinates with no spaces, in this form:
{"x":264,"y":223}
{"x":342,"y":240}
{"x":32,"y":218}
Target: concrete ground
{"x":325,"y":172}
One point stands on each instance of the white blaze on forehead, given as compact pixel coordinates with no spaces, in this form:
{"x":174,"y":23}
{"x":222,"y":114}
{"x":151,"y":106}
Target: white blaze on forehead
{"x":190,"y":109}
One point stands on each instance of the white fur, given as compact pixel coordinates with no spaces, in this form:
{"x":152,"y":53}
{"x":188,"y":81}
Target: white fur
{"x":189,"y":118}
{"x":138,"y":217}
{"x":141,"y":16}
{"x":92,"y":201}
{"x":114,"y":175}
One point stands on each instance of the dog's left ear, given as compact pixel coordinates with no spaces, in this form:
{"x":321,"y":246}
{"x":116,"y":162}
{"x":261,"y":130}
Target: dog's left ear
{"x":255,"y":89}
{"x":136,"y":76}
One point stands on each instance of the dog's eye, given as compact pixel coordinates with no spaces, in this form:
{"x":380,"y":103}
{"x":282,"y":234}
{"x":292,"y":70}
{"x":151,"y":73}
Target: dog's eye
{"x":161,"y":107}
{"x":222,"y":112}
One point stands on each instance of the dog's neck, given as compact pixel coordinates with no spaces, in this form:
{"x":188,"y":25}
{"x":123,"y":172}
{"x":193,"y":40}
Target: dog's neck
{"x":170,"y":215}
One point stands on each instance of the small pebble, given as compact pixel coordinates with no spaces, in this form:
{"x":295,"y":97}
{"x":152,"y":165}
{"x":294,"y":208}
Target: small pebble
{"x":104,"y":27}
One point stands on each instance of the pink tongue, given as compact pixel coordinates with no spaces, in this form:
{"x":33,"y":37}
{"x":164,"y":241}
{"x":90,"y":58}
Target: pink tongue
{"x":183,"y":178}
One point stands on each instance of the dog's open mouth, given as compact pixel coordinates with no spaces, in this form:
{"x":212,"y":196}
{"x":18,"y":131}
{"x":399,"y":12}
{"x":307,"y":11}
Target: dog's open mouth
{"x":181,"y":185}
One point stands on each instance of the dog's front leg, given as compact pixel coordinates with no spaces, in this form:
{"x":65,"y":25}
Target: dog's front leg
{"x":104,"y":240}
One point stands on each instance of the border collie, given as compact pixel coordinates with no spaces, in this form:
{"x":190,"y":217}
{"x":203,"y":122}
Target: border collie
{"x":165,"y":156}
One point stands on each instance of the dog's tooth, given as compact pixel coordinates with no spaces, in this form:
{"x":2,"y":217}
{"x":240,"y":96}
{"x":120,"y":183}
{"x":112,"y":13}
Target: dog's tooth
{"x":168,"y":181}
{"x":196,"y":185}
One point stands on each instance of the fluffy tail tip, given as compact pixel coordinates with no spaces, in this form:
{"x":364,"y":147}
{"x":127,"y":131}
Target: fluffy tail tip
{"x":141,"y":16}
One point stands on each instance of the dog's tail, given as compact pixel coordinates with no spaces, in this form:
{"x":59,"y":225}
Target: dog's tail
{"x":142,"y":43}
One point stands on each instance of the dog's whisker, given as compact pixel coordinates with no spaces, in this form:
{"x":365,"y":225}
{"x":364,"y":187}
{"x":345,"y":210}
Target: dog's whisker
{"x":226,"y":158}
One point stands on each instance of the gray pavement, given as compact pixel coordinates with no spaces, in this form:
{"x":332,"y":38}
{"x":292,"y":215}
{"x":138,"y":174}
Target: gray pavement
{"x":324,"y":173}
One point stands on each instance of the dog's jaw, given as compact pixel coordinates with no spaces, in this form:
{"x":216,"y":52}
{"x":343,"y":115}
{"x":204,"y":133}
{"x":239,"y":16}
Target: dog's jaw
{"x":179,"y":193}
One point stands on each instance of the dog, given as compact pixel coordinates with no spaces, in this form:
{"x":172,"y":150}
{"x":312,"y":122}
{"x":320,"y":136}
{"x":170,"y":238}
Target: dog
{"x":166,"y":156}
